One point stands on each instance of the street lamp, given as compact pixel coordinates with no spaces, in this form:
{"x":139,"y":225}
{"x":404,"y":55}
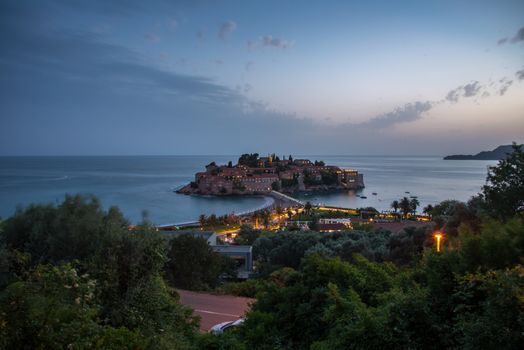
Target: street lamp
{"x":438,"y":237}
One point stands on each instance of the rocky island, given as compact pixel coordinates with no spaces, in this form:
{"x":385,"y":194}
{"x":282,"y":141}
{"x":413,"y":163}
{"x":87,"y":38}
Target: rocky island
{"x":260,"y":175}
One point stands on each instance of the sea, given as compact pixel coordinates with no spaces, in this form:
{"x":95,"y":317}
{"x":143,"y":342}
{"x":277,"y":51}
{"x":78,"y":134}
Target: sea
{"x":147,"y":183}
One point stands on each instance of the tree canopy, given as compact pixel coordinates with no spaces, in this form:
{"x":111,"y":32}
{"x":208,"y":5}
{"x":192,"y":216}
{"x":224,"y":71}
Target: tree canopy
{"x":504,"y":189}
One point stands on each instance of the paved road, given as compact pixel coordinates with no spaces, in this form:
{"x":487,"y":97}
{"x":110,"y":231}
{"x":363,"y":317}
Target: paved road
{"x":214,"y":309}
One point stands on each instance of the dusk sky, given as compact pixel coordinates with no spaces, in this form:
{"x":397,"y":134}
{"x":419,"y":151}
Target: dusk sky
{"x":229,"y":77}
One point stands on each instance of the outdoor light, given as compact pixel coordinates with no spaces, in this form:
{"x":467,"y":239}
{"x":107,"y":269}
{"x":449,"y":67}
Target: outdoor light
{"x":438,"y":237}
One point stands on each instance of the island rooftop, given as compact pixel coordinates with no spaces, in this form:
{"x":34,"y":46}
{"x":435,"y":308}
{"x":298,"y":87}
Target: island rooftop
{"x":260,"y":175}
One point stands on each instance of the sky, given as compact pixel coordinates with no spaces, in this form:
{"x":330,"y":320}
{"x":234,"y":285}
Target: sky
{"x":189,"y":77}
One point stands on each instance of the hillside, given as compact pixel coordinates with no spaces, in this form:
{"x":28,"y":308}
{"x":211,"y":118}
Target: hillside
{"x":500,"y":152}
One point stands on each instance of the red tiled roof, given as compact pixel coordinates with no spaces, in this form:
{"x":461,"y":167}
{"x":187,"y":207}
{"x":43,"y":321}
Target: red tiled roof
{"x":265,"y":175}
{"x":232,"y":172}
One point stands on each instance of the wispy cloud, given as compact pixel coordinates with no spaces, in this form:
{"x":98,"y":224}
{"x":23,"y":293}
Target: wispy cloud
{"x":408,"y":113}
{"x":505,"y":84}
{"x":152,"y":38}
{"x":471,"y":89}
{"x":269,"y":40}
{"x":227,"y":28}
{"x":515,"y":39}
{"x":454,"y":95}
{"x":520,"y":74}
{"x":519,"y":36}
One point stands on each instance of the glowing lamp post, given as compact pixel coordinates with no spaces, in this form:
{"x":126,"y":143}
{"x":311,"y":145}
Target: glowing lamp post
{"x":438,"y":237}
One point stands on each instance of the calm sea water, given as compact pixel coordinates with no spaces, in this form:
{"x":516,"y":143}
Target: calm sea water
{"x":147,"y":182}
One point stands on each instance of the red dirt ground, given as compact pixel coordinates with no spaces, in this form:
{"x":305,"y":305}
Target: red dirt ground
{"x":215,"y":309}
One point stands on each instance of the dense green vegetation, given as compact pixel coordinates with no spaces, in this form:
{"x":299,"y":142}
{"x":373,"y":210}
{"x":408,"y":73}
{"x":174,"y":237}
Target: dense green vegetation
{"x":194,"y":265}
{"x":382,"y":290}
{"x":75,"y":276}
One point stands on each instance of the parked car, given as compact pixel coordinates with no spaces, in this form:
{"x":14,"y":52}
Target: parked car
{"x":222,"y":327}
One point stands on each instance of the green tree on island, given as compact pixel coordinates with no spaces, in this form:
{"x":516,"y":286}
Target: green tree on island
{"x":414,"y":203}
{"x":428,"y":210}
{"x":308,"y":207}
{"x":202,"y":220}
{"x":405,"y":206}
{"x":395,"y":205}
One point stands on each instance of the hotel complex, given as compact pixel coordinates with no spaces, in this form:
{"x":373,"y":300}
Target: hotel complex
{"x":262,"y":175}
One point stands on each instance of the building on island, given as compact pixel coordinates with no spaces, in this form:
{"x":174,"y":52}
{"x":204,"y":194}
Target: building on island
{"x":260,"y":175}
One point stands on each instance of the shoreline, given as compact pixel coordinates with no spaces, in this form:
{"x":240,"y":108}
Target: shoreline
{"x":272,"y":200}
{"x":268,"y":203}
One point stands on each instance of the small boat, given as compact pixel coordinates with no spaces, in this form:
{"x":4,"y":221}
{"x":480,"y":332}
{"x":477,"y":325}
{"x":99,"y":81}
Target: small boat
{"x":363,"y":197}
{"x":406,"y":192}
{"x":374,"y":193}
{"x":413,"y":197}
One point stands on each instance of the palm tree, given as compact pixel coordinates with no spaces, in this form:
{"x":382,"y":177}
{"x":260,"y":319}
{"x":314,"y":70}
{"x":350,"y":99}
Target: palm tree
{"x":202,"y":220}
{"x":212,"y":220}
{"x":255,"y":216}
{"x":266,"y":216}
{"x":428,"y":209}
{"x":307,"y":208}
{"x":414,"y":203}
{"x":405,"y":206}
{"x":395,"y":205}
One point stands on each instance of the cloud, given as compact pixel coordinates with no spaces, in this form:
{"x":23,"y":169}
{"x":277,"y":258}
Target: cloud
{"x":471,"y":89}
{"x":505,"y":84}
{"x":83,"y":88}
{"x":520,"y":74}
{"x":454,"y":95}
{"x":226,"y":28}
{"x":249,"y":65}
{"x":84,"y":59}
{"x":519,"y":36}
{"x":268,"y":40}
{"x":173,"y":23}
{"x":152,"y":38}
{"x":408,"y":113}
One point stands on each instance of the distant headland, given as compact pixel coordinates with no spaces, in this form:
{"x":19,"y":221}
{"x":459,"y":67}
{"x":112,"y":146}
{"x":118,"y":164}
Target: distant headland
{"x":260,"y":175}
{"x":501,"y":152}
